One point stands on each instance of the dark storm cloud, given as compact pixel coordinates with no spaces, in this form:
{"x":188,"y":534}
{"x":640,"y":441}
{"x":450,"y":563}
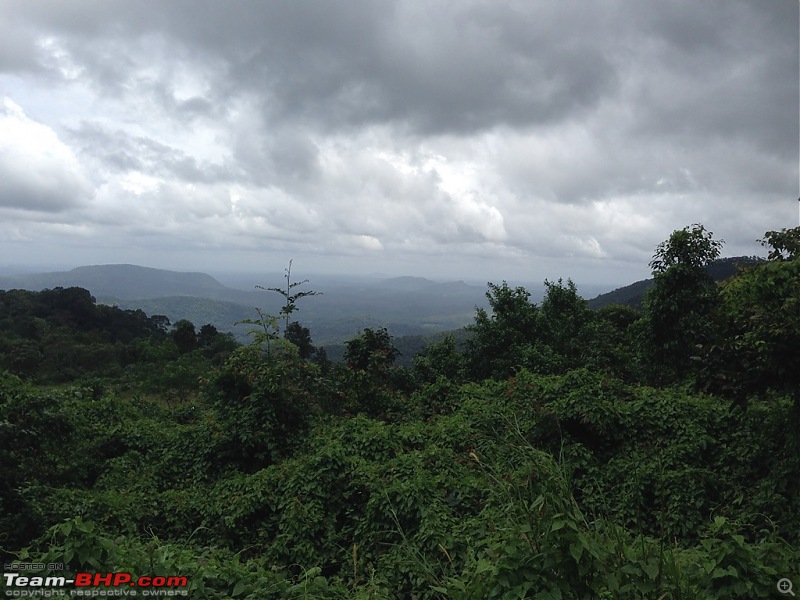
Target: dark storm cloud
{"x":452,"y":67}
{"x":455,"y":68}
{"x":724,"y":70}
{"x":34,"y":192}
{"x":275,"y":155}
{"x":433,"y":68}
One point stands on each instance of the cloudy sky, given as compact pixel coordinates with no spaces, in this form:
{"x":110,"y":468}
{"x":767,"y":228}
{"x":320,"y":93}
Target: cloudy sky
{"x":455,"y":139}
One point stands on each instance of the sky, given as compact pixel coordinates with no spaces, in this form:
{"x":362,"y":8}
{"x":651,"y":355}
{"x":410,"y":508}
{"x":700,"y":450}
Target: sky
{"x":476,"y":140}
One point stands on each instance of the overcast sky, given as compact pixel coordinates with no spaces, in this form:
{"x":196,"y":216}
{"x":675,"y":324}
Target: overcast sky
{"x":456,"y":139}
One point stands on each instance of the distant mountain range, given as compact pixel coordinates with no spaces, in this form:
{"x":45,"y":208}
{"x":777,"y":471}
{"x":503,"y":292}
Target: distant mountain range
{"x":124,"y":282}
{"x":407,"y":306}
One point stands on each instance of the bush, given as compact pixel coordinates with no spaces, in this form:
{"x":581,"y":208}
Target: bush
{"x":264,"y":404}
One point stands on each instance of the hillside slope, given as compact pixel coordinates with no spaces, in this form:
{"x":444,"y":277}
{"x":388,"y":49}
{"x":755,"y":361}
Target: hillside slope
{"x":633,"y":294}
{"x":126,"y":282}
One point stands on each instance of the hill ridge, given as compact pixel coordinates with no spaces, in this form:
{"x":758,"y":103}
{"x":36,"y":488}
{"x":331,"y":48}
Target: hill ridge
{"x":633,"y":294}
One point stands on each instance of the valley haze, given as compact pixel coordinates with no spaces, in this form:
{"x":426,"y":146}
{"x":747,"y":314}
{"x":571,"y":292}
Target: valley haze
{"x":346,"y":305}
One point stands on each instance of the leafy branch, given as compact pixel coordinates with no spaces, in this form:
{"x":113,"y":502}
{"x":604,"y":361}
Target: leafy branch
{"x":290,"y":298}
{"x":266,"y":330}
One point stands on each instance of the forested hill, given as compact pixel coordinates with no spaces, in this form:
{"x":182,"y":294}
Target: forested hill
{"x":123,"y":282}
{"x":62,"y":335}
{"x":633,"y":294}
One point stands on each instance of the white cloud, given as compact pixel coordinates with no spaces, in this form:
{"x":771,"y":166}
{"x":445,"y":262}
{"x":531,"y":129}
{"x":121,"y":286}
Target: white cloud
{"x":38,"y":172}
{"x":138,"y":183}
{"x":367,"y":242}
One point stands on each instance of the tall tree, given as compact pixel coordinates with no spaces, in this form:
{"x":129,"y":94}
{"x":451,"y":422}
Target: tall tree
{"x":783,"y":244}
{"x":677,"y":309}
{"x":440,"y":359}
{"x":565,"y":319}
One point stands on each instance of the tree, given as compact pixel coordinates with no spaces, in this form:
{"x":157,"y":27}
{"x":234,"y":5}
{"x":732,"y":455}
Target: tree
{"x":615,"y":327}
{"x":301,"y":337}
{"x":370,"y":380}
{"x":759,"y":349}
{"x":691,"y":249}
{"x":566,"y":320}
{"x":785,"y":244}
{"x":290,"y":298}
{"x":264,"y":404}
{"x":184,"y":336}
{"x":677,"y":309}
{"x":158,"y":324}
{"x":73,"y":306}
{"x":215,"y":345}
{"x":372,"y":350}
{"x":207,"y":335}
{"x":320,"y":358}
{"x":21,"y":357}
{"x":496,"y":347}
{"x":265,"y":332}
{"x":440,"y":359}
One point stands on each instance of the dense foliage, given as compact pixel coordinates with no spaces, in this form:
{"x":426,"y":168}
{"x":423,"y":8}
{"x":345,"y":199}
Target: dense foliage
{"x":62,"y":335}
{"x":559,"y":453}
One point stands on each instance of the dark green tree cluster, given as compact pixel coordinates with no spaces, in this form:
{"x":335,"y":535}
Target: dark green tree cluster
{"x":63,"y":335}
{"x":265,"y":403}
{"x":738,"y":338}
{"x":741,"y":338}
{"x":757,"y":342}
{"x":558,"y":335}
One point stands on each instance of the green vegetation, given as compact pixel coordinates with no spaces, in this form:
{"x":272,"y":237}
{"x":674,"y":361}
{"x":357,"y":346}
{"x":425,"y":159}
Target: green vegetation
{"x":558,"y":452}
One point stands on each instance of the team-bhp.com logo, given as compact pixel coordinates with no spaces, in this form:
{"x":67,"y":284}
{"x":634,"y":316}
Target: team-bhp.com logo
{"x":93,"y":585}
